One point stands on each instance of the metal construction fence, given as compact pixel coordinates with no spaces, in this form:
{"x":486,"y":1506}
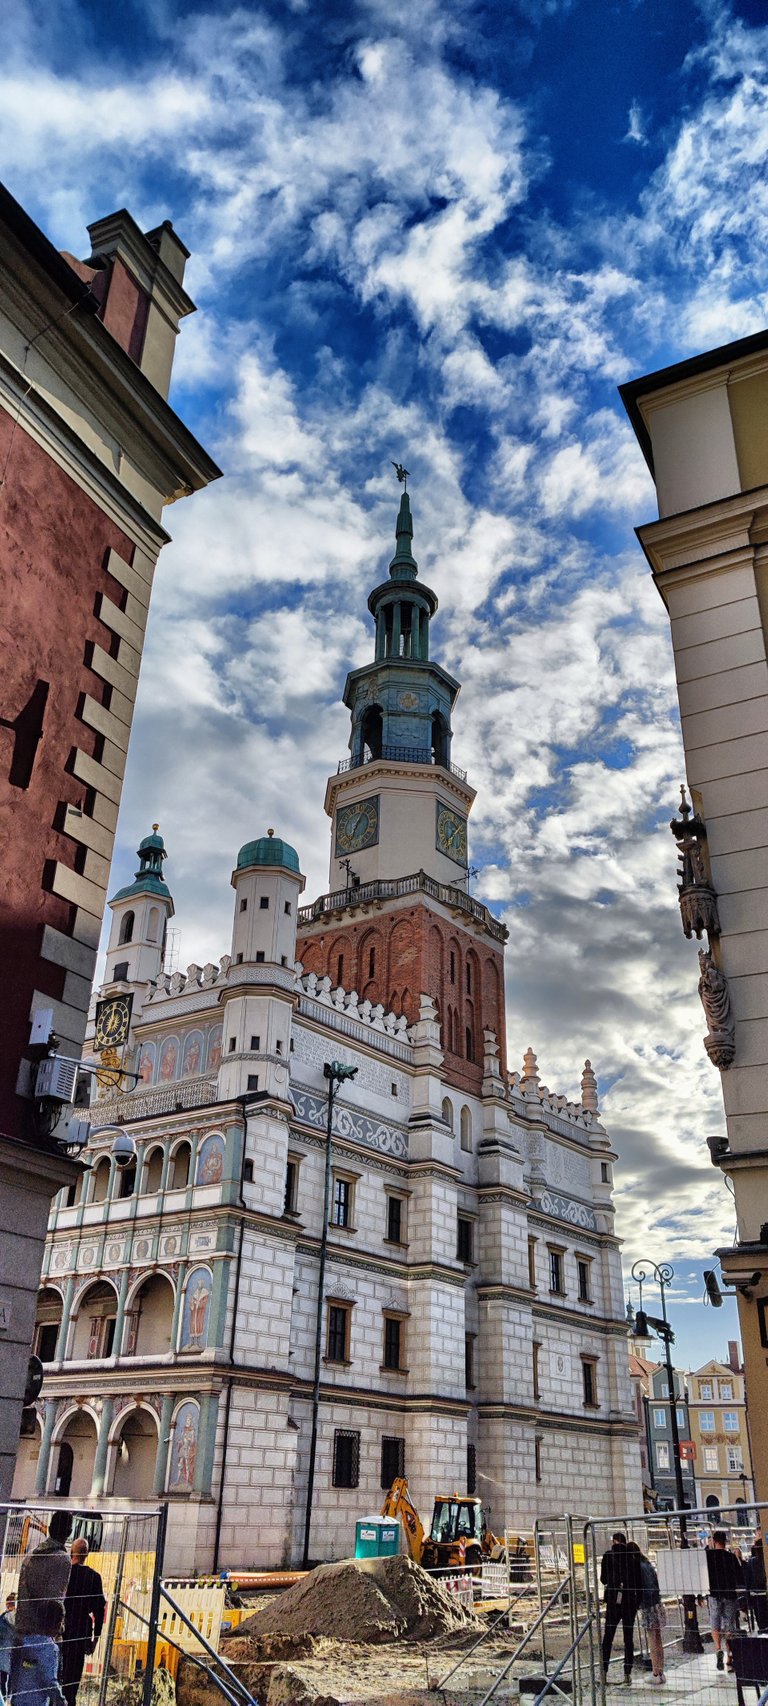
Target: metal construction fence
{"x":125,"y":1549}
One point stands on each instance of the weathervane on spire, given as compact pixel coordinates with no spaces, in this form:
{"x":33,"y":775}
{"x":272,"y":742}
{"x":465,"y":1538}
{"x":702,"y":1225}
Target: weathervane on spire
{"x":402,"y":474}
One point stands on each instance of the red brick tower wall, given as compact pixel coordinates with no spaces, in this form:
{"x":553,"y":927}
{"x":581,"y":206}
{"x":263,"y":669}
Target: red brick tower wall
{"x":395,"y":957}
{"x":54,"y":542}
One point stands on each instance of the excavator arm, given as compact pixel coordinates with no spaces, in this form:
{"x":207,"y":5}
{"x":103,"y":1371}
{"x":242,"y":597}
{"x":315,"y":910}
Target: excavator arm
{"x":398,"y":1503}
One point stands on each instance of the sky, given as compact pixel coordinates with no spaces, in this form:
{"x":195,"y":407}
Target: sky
{"x":442,"y":232}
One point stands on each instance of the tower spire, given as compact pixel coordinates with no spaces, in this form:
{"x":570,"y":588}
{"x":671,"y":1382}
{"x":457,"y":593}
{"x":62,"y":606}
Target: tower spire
{"x":403,"y":566}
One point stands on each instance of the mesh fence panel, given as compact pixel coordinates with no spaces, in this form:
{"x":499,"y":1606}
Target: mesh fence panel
{"x":37,"y":1652}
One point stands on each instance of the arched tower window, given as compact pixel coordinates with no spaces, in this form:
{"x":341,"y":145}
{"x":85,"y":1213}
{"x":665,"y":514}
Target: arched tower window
{"x":440,"y":740}
{"x":448,"y":1112}
{"x":466,"y":1128}
{"x":153,"y":927}
{"x":371,"y":735}
{"x":126,"y":929}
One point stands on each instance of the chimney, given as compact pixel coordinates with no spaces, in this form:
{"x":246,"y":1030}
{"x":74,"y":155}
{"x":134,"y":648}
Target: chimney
{"x":144,"y":299}
{"x":734,"y":1357}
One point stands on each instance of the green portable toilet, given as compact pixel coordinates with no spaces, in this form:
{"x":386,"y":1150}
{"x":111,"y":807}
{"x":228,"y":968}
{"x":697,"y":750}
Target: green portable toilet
{"x":389,"y":1538}
{"x":367,"y":1537}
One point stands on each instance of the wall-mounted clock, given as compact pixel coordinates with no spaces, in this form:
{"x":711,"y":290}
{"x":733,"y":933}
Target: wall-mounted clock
{"x":113,"y":1020}
{"x":357,"y":826}
{"x":451,"y":834}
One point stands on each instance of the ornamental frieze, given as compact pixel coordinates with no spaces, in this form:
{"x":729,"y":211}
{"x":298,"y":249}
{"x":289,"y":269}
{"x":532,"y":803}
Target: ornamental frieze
{"x":564,"y":1208}
{"x":347,"y":1122}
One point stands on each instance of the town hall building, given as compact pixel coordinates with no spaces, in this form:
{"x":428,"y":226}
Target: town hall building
{"x":471,"y":1323}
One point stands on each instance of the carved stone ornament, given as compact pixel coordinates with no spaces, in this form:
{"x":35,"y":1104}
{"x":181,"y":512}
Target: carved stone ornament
{"x":698,"y":901}
{"x":720,"y":1041}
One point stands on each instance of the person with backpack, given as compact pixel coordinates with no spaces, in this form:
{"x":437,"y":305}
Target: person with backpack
{"x":654,"y":1617}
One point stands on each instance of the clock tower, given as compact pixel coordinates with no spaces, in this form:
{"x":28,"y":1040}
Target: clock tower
{"x":398,"y":797}
{"x":140,"y":916}
{"x":398,"y":921}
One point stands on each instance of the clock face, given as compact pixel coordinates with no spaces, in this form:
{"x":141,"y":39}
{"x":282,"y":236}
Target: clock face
{"x":357,"y":826}
{"x":451,"y":834}
{"x":113,"y":1018}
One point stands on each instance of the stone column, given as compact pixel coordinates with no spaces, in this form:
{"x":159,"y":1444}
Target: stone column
{"x":164,"y":1173}
{"x":396,"y":630}
{"x":41,"y":1478}
{"x":66,"y":1312}
{"x":381,"y":634}
{"x":218,"y":1309}
{"x":415,"y":631}
{"x":181,"y":1277}
{"x":102,"y":1448}
{"x":120,"y":1316}
{"x":163,"y":1445}
{"x":206,"y":1439}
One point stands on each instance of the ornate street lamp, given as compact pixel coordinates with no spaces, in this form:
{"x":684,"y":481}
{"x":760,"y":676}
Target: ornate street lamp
{"x":663,"y":1275}
{"x":336,"y":1074}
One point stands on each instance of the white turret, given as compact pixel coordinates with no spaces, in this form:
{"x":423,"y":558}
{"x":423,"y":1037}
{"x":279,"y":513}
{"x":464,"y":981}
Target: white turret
{"x":260,"y":984}
{"x":140,"y":915}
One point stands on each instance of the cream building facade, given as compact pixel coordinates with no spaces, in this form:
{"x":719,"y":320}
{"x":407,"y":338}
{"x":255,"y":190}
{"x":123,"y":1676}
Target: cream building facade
{"x":717,"y":1413}
{"x":472,"y":1319}
{"x":703,"y":427}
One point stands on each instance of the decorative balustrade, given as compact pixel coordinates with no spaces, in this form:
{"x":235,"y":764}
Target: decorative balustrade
{"x":398,"y":755}
{"x":363,"y":894}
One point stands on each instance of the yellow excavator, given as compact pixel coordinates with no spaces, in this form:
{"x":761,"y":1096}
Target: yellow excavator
{"x":459,"y":1537}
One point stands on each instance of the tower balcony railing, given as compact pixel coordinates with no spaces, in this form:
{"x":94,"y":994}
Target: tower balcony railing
{"x":364,"y":894}
{"x":398,"y":755}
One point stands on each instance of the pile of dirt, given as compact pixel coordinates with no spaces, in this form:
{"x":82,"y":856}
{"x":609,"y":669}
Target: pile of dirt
{"x":368,"y":1600}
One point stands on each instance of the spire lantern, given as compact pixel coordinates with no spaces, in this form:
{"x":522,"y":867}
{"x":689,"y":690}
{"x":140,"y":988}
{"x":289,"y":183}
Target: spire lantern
{"x":403,"y":566}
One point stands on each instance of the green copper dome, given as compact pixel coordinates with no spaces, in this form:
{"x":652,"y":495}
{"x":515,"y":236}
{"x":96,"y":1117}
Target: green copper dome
{"x":149,"y":877}
{"x":268,"y":850}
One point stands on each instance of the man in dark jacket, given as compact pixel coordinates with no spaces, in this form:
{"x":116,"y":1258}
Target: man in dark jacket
{"x":726,"y":1583}
{"x":84,"y":1609}
{"x":44,"y":1574}
{"x":620,"y":1576}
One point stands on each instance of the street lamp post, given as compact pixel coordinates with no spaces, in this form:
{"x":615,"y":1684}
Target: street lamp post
{"x":336,"y":1074}
{"x":663,"y":1274}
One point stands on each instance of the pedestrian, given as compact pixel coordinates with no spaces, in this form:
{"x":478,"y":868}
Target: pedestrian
{"x":654,"y":1616}
{"x":84,"y":1608}
{"x":726,"y":1583}
{"x":620,"y":1576}
{"x":7,"y":1636}
{"x":754,"y":1571}
{"x":44,"y":1574}
{"x":35,"y":1659}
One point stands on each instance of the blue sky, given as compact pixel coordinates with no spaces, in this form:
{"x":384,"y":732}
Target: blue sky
{"x":443,"y":233}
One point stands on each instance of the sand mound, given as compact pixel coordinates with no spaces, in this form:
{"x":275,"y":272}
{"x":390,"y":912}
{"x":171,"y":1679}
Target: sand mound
{"x":371,"y":1600}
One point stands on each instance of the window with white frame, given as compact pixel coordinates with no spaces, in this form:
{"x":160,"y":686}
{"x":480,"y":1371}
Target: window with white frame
{"x":711,"y":1460}
{"x":343,"y":1200}
{"x":707,"y":1421}
{"x":726,"y":1390}
{"x":659,"y":1418}
{"x":705,"y":1389}
{"x":735,"y":1460}
{"x":730,"y":1422}
{"x":681,"y":1419}
{"x":662,"y":1455}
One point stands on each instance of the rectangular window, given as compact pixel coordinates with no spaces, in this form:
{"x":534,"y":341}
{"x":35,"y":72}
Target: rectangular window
{"x":287,"y":909}
{"x":537,"y":1456}
{"x":340,"y":968}
{"x":392,"y":1458}
{"x":711,"y":1460}
{"x":556,"y":1272}
{"x":238,"y":959}
{"x":278,"y":1047}
{"x":726,"y":1390}
{"x":255,"y":1044}
{"x":248,"y":1172}
{"x":532,"y":1263}
{"x":730,"y":1422}
{"x":469,"y":1360}
{"x":735,"y":1461}
{"x":705,"y":1389}
{"x":243,"y":906}
{"x":605,"y":1173}
{"x":46,"y":1341}
{"x":582,"y":1269}
{"x":338,"y":1333}
{"x":707,"y":1421}
{"x":589,"y":1381}
{"x":662,"y":1455}
{"x":394,"y":1220}
{"x":232,"y":1044}
{"x":452,"y":972}
{"x":253,"y":1081}
{"x":681,"y":1419}
{"x":291,"y":1187}
{"x":392,"y":1342}
{"x":263,"y":903}
{"x":664,"y":1388}
{"x":535,"y":1348}
{"x":463,"y":1239}
{"x":346,"y":1458}
{"x":260,"y":957}
{"x":341,"y":1214}
{"x":471,"y":1468}
{"x":659,"y":1418}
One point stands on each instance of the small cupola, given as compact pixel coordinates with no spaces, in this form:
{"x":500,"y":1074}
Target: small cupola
{"x":140,"y":915}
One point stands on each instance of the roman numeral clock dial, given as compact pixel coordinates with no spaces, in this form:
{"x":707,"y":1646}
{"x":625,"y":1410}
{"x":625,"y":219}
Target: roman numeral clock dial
{"x":451,"y":834}
{"x":357,"y":826}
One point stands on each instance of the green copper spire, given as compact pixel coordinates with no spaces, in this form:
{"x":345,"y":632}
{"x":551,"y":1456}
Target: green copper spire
{"x":149,"y":877}
{"x":403,"y":566}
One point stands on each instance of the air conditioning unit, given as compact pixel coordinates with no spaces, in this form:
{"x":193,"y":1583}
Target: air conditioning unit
{"x":56,"y":1078}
